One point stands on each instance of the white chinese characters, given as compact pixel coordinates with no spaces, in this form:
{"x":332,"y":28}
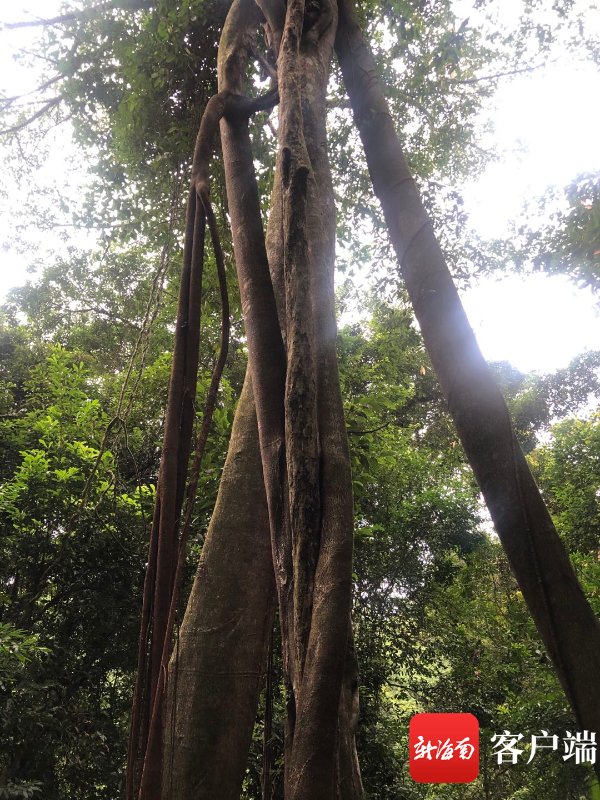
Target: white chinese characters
{"x":579,"y":746}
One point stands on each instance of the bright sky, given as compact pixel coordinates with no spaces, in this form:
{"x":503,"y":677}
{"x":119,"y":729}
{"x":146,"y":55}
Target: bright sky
{"x":548,"y":127}
{"x":537,"y":323}
{"x":545,"y":124}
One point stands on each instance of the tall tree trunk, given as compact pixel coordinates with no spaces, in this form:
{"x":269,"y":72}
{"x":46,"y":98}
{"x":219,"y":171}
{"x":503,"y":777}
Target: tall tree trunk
{"x":303,"y":449}
{"x":215,"y":673}
{"x":538,"y":558}
{"x":300,"y":418}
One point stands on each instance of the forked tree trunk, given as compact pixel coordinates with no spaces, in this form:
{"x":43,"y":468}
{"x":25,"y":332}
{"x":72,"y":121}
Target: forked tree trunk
{"x":293,"y":363}
{"x":563,"y":616}
{"x":303,"y":446}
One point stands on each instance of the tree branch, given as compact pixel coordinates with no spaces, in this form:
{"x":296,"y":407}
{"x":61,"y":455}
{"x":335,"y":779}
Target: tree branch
{"x":96,"y":310}
{"x":359,"y":432}
{"x":8,"y":101}
{"x":39,"y":113}
{"x":132,"y":5}
{"x":35,"y":23}
{"x":497,"y":75}
{"x":564,"y":618}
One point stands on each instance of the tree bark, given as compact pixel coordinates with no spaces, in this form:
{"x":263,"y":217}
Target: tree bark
{"x":538,"y":558}
{"x":216,"y":670}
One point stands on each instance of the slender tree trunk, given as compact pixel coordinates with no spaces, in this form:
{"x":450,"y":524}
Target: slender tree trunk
{"x":538,"y":558}
{"x":215,"y":674}
{"x":162,"y":558}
